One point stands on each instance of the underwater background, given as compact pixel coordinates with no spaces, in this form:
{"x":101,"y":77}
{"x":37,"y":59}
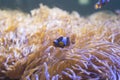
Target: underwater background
{"x":84,"y":7}
{"x":41,"y":42}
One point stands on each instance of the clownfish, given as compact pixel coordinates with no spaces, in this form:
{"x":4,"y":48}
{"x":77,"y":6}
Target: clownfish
{"x":101,"y":3}
{"x":61,"y":42}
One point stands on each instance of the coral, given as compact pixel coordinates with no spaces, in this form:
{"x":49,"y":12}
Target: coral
{"x":27,"y":51}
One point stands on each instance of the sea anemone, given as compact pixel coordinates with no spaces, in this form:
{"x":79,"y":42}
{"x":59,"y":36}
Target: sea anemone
{"x":27,"y":51}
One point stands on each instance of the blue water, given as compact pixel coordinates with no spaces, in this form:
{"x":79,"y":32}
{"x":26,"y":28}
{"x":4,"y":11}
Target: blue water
{"x":69,"y":5}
